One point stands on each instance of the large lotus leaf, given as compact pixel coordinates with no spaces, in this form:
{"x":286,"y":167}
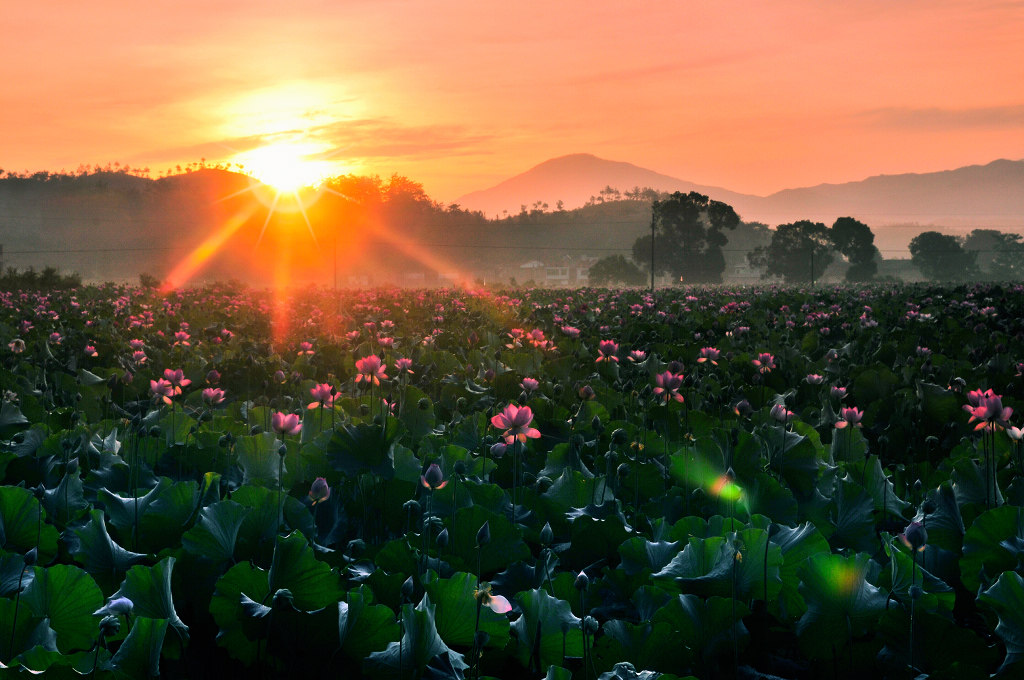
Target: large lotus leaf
{"x":705,"y":629}
{"x":973,"y":486}
{"x":848,"y":445}
{"x":295,"y":568}
{"x":547,"y":633}
{"x":456,"y":612}
{"x":168,"y":516}
{"x":643,"y":645}
{"x":11,"y":419}
{"x":699,"y":557}
{"x":794,"y":457}
{"x":177,"y":427}
{"x":304,"y":641}
{"x":639,"y":554}
{"x":870,"y":475}
{"x":993,"y":544}
{"x":692,"y":526}
{"x":945,"y":525}
{"x":874,"y":383}
{"x":100,"y":555}
{"x":64,"y":502}
{"x":573,"y":489}
{"x":214,"y":535}
{"x":798,"y":544}
{"x":938,"y":405}
{"x":942,"y":649}
{"x":226,"y":608}
{"x":67,"y":596}
{"x":259,"y":459}
{"x":20,"y":634}
{"x":22,"y":520}
{"x":506,"y":544}
{"x":123,"y":512}
{"x":594,"y":539}
{"x":626,"y":671}
{"x":745,"y":566}
{"x":841,"y":604}
{"x":903,"y":572}
{"x":420,"y":643}
{"x":139,"y":654}
{"x":364,"y":627}
{"x":853,"y":524}
{"x":260,"y":525}
{"x":1006,"y":598}
{"x":149,"y":589}
{"x":419,"y":419}
{"x":764,"y":495}
{"x":13,"y":574}
{"x":355,"y":449}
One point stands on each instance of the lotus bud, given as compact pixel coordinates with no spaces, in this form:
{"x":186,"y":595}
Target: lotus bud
{"x":281,"y":450}
{"x":928,"y":507}
{"x":915,"y":591}
{"x":460,"y":467}
{"x":154,"y":431}
{"x":408,"y":587}
{"x":109,"y":626}
{"x":619,"y":437}
{"x":582,"y":581}
{"x":915,"y":536}
{"x":483,"y":535}
{"x":433,"y":479}
{"x":411,"y":506}
{"x":72,"y":466}
{"x":31,"y":557}
{"x":623,"y":470}
{"x":442,"y":538}
{"x":546,"y":534}
{"x":423,"y":404}
{"x":256,"y":429}
{"x":319,"y":491}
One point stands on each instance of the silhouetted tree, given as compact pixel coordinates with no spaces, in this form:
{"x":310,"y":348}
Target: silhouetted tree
{"x":941,"y":257}
{"x":856,"y":242}
{"x":615,"y":269}
{"x":798,"y":252}
{"x":688,"y":237}
{"x":998,"y":255}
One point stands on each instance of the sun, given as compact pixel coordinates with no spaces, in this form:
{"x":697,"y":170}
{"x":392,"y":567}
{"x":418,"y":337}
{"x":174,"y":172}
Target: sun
{"x":287,"y":166}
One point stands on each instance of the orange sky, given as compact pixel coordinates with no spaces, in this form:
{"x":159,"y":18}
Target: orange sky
{"x":460,"y":94}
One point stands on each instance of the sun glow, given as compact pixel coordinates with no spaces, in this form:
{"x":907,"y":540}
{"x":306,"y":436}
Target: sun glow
{"x":287,"y":166}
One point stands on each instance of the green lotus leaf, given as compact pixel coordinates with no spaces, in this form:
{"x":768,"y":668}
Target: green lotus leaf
{"x":256,"y":535}
{"x":419,"y":645}
{"x":456,"y":612}
{"x":226,"y":608}
{"x":547,"y":633}
{"x":942,"y":649}
{"x":993,"y":544}
{"x":794,"y":457}
{"x":419,"y":422}
{"x":945,"y":525}
{"x":23,"y":632}
{"x":594,"y":539}
{"x":22,"y":521}
{"x":764,"y":495}
{"x":11,"y":419}
{"x":139,"y":654}
{"x":67,"y":596}
{"x":259,"y":459}
{"x":848,"y":445}
{"x":638,"y":554}
{"x":853,"y":524}
{"x":64,"y":502}
{"x":13,"y":573}
{"x":355,"y":449}
{"x":149,"y":589}
{"x":938,"y":404}
{"x":969,"y":484}
{"x":216,"y":532}
{"x":311,"y":582}
{"x":798,"y":545}
{"x":1006,"y":598}
{"x":705,"y":630}
{"x":100,"y":555}
{"x":627,"y":646}
{"x":300,"y":639}
{"x":506,"y":544}
{"x":841,"y":604}
{"x":364,"y":627}
{"x":903,"y":572}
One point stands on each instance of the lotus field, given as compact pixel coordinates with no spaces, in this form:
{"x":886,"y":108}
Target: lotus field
{"x":753,"y":483}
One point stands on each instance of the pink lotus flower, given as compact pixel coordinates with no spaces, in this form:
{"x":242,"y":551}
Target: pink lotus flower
{"x":571,"y":331}
{"x":136,"y":344}
{"x":637,"y":356}
{"x":322,"y":393}
{"x":177,"y":378}
{"x":139,"y":357}
{"x":606,"y":351}
{"x":163,"y":389}
{"x":838,"y":393}
{"x":988,"y":409}
{"x":814,"y":379}
{"x":849,"y":416}
{"x":764,"y":362}
{"x":515,"y":420}
{"x":404,"y":365}
{"x":780,"y":414}
{"x":17,"y":345}
{"x":286,"y":423}
{"x":496,"y":603}
{"x":90,"y":351}
{"x":667,"y":387}
{"x":181,"y":338}
{"x":371,"y":369}
{"x":529,"y":384}
{"x":433,"y":478}
{"x":319,"y":491}
{"x":709,"y":354}
{"x":213,"y":377}
{"x":55,"y":338}
{"x":213,"y":395}
{"x":305,"y":348}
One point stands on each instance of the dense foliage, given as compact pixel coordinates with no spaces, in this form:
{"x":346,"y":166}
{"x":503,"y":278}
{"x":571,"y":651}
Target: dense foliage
{"x":773,"y":482}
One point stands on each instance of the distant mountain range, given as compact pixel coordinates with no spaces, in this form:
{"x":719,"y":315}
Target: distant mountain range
{"x":989,"y":195}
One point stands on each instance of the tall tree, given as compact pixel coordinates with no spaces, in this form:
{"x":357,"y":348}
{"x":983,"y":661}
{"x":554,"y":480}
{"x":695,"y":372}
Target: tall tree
{"x":798,"y":252}
{"x":688,"y":237}
{"x":614,"y":269}
{"x":856,"y":242}
{"x":998,"y":255}
{"x":941,"y":257}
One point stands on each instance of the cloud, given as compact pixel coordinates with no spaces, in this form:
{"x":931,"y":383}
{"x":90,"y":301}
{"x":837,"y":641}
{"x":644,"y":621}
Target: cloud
{"x":374,"y":138}
{"x":935,"y":118}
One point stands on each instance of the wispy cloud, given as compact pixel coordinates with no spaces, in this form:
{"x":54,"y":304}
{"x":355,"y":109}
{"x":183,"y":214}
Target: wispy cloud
{"x":935,"y":118}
